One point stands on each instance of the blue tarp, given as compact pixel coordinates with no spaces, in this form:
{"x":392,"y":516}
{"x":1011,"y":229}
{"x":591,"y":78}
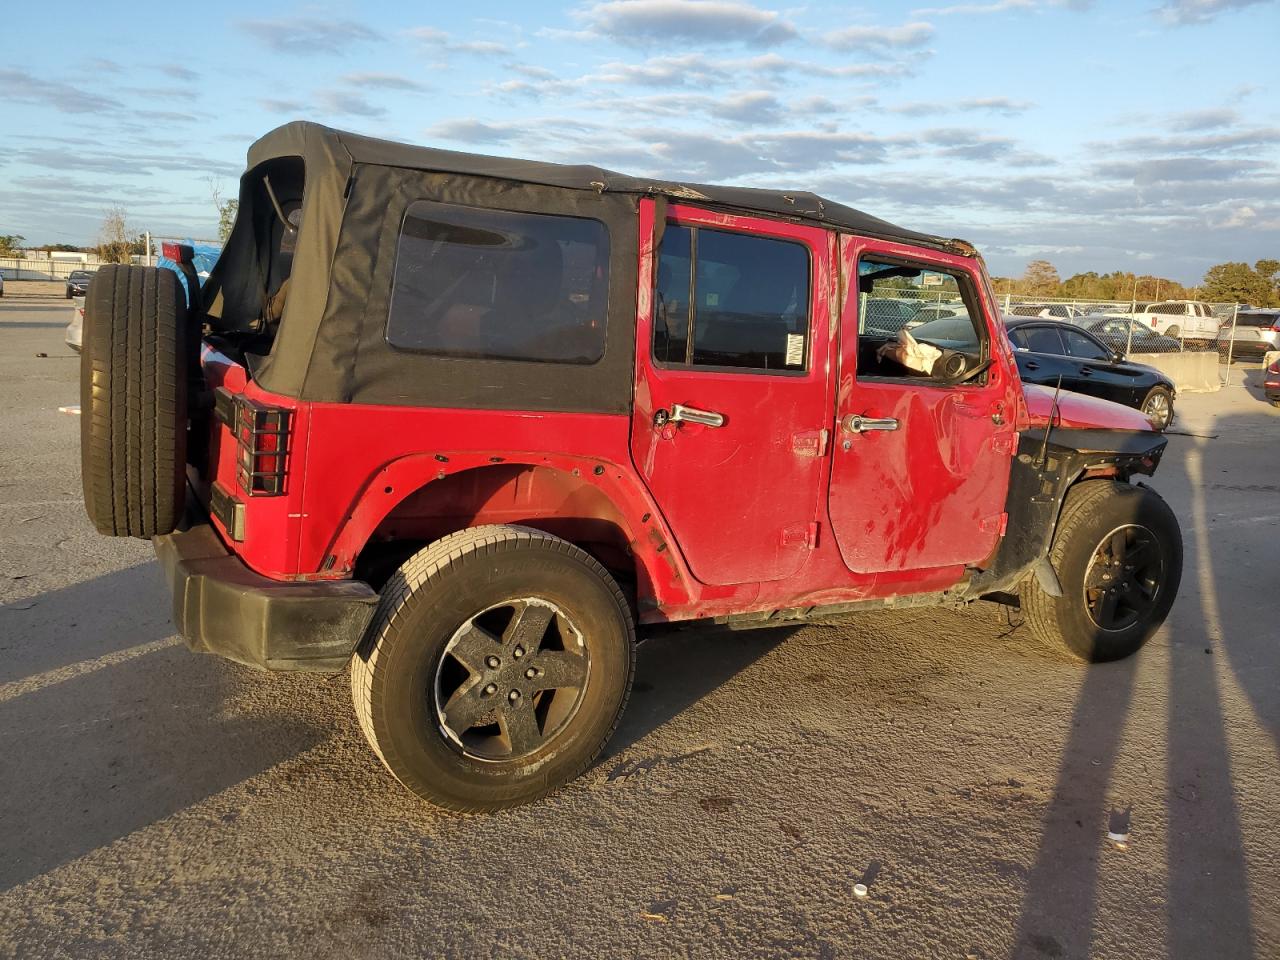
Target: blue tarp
{"x":206,"y":255}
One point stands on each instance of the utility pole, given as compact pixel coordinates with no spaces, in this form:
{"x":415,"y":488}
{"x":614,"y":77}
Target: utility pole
{"x":147,"y":234}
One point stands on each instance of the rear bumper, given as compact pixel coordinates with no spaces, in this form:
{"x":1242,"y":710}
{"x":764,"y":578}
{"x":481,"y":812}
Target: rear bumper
{"x":221,"y":606}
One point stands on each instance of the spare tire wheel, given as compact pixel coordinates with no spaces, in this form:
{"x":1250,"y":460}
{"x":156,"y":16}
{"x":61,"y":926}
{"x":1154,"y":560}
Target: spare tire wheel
{"x":133,"y":399}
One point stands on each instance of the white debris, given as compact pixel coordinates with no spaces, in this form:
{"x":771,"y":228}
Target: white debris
{"x":860,"y":891}
{"x":910,"y":352}
{"x":74,"y":410}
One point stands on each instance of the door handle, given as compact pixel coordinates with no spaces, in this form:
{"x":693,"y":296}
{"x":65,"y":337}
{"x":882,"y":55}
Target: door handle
{"x":707,"y":418}
{"x":856,"y":423}
{"x":1031,"y":365}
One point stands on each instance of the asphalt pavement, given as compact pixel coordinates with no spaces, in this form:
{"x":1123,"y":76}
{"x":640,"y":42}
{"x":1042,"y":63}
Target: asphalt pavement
{"x":158,"y":803}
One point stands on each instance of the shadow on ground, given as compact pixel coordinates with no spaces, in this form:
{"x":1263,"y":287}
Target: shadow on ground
{"x":1207,"y":905}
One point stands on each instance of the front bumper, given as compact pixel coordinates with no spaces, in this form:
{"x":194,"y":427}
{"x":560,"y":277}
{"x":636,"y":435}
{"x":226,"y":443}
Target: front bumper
{"x":221,"y":606}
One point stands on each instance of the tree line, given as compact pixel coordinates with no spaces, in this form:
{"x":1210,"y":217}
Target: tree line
{"x":1257,"y":285}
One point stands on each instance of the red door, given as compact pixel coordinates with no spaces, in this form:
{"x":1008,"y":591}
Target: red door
{"x":732,"y":388}
{"x":920,"y":480}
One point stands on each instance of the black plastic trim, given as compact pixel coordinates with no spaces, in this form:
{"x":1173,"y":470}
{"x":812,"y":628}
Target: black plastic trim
{"x":221,"y":606}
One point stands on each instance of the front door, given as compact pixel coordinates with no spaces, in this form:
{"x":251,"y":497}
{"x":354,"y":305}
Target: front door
{"x":920,"y":462}
{"x":731,"y":423}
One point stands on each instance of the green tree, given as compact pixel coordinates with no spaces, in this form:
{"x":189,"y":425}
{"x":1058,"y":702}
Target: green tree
{"x":1237,"y":282}
{"x":10,"y":244}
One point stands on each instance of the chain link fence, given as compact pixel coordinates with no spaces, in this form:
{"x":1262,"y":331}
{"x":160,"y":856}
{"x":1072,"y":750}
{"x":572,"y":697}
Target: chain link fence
{"x":1145,"y":331}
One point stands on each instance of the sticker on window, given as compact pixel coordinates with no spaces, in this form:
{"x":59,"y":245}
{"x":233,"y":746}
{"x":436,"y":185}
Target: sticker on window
{"x":795,"y":349}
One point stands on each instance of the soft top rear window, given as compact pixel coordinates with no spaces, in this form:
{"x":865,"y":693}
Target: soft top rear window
{"x":497,"y":284}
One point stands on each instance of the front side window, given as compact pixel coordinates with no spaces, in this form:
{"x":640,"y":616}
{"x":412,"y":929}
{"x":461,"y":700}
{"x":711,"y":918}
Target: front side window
{"x":499,"y":285}
{"x":916,"y":322}
{"x":1083,"y":347}
{"x":727,"y":299}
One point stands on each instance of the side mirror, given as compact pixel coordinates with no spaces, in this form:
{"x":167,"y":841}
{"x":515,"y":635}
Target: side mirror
{"x":1117,"y":356}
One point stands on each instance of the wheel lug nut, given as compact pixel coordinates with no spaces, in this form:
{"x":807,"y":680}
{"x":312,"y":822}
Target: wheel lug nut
{"x":531,"y":672}
{"x":513,"y":696}
{"x":493,"y":663}
{"x":490,"y":690}
{"x":518,"y":652}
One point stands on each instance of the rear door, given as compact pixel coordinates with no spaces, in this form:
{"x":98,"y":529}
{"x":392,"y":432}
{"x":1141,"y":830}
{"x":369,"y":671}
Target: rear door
{"x":732,"y":388}
{"x":920,"y":464}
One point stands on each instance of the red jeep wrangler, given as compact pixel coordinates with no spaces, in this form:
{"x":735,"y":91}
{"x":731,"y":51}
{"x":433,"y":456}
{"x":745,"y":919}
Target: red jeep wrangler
{"x":471,"y":420}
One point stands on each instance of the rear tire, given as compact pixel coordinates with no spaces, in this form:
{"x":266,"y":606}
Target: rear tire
{"x":1118,"y":554}
{"x":1158,"y":406}
{"x":451,"y":684}
{"x":133,"y":398}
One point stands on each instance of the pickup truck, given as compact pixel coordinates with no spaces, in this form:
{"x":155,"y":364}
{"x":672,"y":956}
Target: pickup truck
{"x":1179,"y":319}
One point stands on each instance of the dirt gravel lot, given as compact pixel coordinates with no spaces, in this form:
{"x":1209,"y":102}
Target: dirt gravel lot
{"x":156,"y":803}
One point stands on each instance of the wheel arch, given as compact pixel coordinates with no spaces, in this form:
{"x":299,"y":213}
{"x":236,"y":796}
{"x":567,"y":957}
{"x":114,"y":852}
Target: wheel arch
{"x":1047,"y":466}
{"x":592,"y":504}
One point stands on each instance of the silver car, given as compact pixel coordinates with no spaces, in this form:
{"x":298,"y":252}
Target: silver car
{"x":1256,"y":332}
{"x":75,"y":329}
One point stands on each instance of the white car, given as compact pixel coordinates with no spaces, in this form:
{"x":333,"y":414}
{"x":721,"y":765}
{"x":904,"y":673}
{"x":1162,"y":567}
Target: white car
{"x":75,"y":329}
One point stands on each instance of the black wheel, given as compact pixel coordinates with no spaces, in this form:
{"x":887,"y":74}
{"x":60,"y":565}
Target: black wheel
{"x":496,"y":667}
{"x":133,"y":398}
{"x":1118,"y":555}
{"x":1158,"y":406}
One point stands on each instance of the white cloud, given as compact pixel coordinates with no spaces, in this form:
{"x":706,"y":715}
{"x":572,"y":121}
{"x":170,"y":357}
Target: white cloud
{"x":644,"y":22}
{"x":1184,"y":12}
{"x":878,"y":39}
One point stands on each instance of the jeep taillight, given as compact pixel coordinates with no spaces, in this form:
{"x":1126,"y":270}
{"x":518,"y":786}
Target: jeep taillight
{"x":262,"y":447}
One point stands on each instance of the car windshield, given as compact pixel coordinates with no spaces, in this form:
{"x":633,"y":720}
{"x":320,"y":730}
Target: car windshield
{"x":81,"y":275}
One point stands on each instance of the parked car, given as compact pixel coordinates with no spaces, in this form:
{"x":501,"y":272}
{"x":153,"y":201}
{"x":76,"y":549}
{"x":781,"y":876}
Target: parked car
{"x":74,"y":336}
{"x":1046,"y":350}
{"x":1181,"y":320}
{"x":925,"y":314}
{"x":1,"y":284}
{"x":1054,"y":311}
{"x":1271,"y":382}
{"x":78,"y":283}
{"x":1126,"y":335}
{"x":1253,"y":334}
{"x":467,"y":421}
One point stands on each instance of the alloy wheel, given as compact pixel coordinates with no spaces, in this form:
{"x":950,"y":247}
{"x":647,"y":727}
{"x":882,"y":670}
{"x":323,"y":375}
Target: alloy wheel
{"x":510,"y":679}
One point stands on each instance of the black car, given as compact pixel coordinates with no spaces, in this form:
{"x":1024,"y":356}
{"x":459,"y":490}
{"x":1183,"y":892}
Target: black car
{"x":1046,"y":350}
{"x":1127,"y":335}
{"x":78,"y":283}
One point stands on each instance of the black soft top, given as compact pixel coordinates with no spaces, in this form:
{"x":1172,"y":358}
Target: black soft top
{"x":321,"y":145}
{"x":331,"y":345}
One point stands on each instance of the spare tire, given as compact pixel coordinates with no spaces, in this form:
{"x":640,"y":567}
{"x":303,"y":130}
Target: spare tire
{"x":133,"y":401}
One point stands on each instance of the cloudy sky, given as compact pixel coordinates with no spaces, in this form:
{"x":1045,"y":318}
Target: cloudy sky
{"x":1099,"y":135}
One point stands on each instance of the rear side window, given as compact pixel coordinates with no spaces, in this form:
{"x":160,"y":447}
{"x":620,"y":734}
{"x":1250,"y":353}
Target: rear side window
{"x":499,"y":285}
{"x":731,"y":300}
{"x":1041,"y":340}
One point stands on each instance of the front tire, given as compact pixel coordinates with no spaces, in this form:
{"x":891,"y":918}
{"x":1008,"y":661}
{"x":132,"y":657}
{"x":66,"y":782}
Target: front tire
{"x":1158,"y":406}
{"x":496,"y":667}
{"x":1118,"y":555}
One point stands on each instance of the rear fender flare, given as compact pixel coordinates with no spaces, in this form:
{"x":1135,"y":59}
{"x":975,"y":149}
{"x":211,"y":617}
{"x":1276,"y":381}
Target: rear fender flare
{"x":662,"y":576}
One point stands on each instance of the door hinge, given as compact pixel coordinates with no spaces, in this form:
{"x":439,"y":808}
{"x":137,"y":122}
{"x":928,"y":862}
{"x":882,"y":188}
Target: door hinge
{"x":806,"y":533}
{"x":811,"y":443}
